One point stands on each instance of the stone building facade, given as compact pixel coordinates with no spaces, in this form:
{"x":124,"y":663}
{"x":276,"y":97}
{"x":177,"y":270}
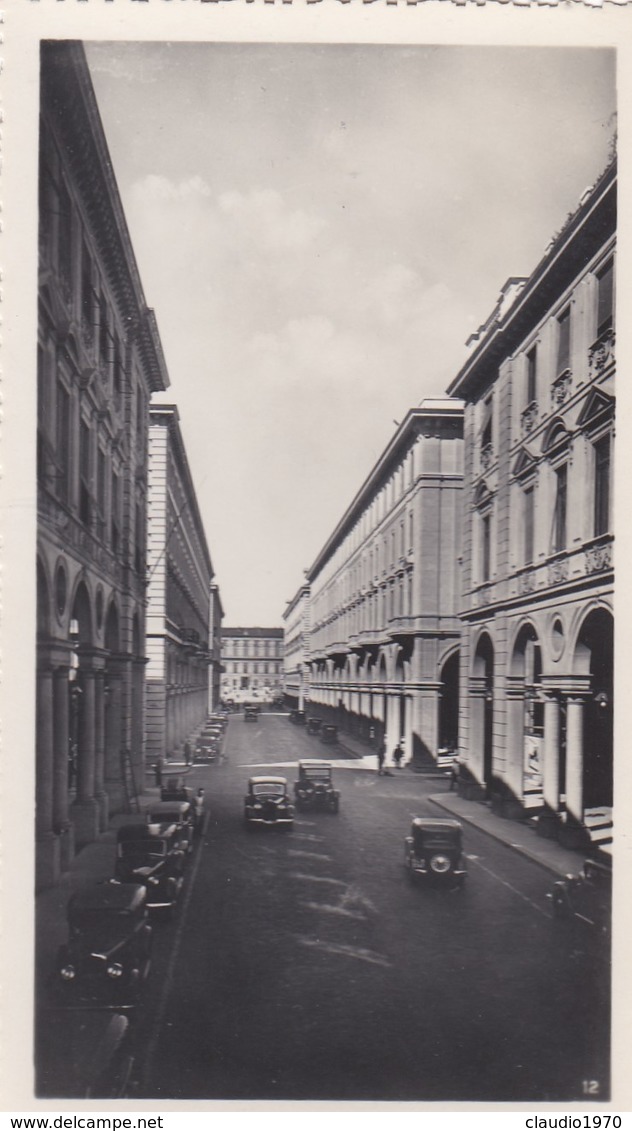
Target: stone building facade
{"x":537,"y":648}
{"x":99,"y":360}
{"x":252,"y":663}
{"x":385,"y":593}
{"x":296,"y":649}
{"x":179,"y":647}
{"x":215,"y":648}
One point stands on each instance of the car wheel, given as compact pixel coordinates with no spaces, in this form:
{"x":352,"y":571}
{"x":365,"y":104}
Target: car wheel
{"x":561,"y":908}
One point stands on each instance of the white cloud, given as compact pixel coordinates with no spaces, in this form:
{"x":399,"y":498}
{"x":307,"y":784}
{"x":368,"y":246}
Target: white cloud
{"x":263,"y":218}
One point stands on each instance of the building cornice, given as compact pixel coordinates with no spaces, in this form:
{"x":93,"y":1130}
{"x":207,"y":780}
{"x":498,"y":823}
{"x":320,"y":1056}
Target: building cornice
{"x":586,"y":231}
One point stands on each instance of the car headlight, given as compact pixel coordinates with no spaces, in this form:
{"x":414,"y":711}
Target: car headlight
{"x":257,"y":805}
{"x":68,"y":973}
{"x":115,"y":970}
{"x":153,"y":880}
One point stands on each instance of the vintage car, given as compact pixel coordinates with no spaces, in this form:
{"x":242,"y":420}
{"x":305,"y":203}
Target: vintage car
{"x":251,"y":714}
{"x":174,"y":788}
{"x":84,"y":1054}
{"x":328,"y":734}
{"x":313,"y":726}
{"x":586,"y":896}
{"x":206,"y":749}
{"x":298,"y":718}
{"x":106,"y":958}
{"x":314,"y":788}
{"x":434,"y":851}
{"x":178,"y":813}
{"x":268,"y":803}
{"x":154,"y":856}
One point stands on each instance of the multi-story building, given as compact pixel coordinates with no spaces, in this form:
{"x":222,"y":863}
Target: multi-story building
{"x":537,"y":648}
{"x":215,"y":647}
{"x":385,"y":593}
{"x":99,"y":360}
{"x":179,"y":593}
{"x":296,"y":648}
{"x":252,"y":663}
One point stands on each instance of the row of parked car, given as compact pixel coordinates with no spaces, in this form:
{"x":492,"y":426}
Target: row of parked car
{"x":208,"y":743}
{"x":107,"y":956}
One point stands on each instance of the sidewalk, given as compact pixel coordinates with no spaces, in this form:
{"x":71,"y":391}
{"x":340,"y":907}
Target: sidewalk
{"x":517,"y":835}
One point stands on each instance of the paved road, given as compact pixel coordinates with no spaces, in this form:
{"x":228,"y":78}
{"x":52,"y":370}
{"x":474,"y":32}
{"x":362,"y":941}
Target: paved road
{"x":304,"y":964}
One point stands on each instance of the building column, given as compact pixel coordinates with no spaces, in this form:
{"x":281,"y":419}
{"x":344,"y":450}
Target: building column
{"x":61,"y":751}
{"x":575,"y":757}
{"x":85,"y":811}
{"x":47,"y":844}
{"x":551,"y":755}
{"x":99,"y":749}
{"x":408,"y":729}
{"x":392,"y":735}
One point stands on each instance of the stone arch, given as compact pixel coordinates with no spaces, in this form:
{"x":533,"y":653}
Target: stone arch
{"x":449,"y":677}
{"x":82,"y":614}
{"x":112,"y":630}
{"x":482,"y":704}
{"x":43,"y":601}
{"x":594,"y":657}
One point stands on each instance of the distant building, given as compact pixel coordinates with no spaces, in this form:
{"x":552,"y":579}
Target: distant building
{"x":180,"y":593}
{"x":252,"y":662}
{"x":215,"y":648}
{"x":99,"y":361}
{"x":385,"y":592}
{"x":296,"y":649}
{"x":538,"y":580}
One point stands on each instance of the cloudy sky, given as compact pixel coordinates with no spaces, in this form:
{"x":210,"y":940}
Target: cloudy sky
{"x":319,"y":229}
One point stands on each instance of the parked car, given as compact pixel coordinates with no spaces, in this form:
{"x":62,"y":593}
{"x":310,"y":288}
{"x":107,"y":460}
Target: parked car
{"x":107,"y":956}
{"x":175,"y":789}
{"x":298,"y":718}
{"x":178,"y":813}
{"x":434,"y":851}
{"x":313,"y":726}
{"x":251,"y":714}
{"x":586,"y":896}
{"x":84,"y":1054}
{"x":154,"y":856}
{"x":268,"y":803}
{"x":328,"y":733}
{"x":314,"y":788}
{"x":206,"y":749}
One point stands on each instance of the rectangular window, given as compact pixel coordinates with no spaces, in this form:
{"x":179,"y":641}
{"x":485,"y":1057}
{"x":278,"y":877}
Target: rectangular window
{"x":63,"y":442}
{"x":118,"y":368}
{"x":529,"y":514}
{"x":559,"y":518}
{"x":139,"y":541}
{"x":487,"y":435}
{"x":564,"y":341}
{"x":87,"y":296}
{"x":64,"y":238}
{"x":84,"y":472}
{"x":605,"y":299}
{"x":115,"y":521}
{"x":100,"y":493}
{"x":532,"y":370}
{"x":602,"y":486}
{"x":486,"y":531}
{"x":104,"y":334}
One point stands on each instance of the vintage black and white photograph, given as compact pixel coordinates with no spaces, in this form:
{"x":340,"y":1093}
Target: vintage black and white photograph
{"x":324,"y":694}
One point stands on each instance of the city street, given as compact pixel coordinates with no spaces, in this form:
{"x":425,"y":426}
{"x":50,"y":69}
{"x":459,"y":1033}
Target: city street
{"x":304,"y":964}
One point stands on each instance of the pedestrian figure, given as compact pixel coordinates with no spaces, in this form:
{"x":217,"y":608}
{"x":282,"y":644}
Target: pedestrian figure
{"x":158,"y":768}
{"x":381,"y":754}
{"x":398,"y":754}
{"x":454,"y":774}
{"x":187,"y":753}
